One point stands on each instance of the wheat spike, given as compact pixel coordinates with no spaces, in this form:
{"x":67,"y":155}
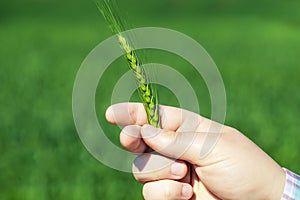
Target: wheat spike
{"x":146,"y":91}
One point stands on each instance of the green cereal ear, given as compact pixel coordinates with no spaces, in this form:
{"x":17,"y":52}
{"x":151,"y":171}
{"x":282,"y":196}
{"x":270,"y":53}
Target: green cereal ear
{"x":146,"y":90}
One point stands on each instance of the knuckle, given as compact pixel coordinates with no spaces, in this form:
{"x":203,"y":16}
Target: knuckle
{"x":151,"y":191}
{"x":133,"y":114}
{"x":150,"y":167}
{"x":138,"y":167}
{"x":167,"y":192}
{"x":146,"y":192}
{"x":167,"y":138}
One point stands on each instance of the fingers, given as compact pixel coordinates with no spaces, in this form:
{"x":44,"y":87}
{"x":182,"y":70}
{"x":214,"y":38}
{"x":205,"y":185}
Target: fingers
{"x":126,"y":114}
{"x":167,"y":189}
{"x":176,"y":145}
{"x":151,"y":167}
{"x":134,"y":114}
{"x":131,"y":140}
{"x":183,"y":146}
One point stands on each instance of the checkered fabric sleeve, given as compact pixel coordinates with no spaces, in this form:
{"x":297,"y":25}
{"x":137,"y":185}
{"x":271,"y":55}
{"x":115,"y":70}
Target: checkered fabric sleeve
{"x":292,"y":186}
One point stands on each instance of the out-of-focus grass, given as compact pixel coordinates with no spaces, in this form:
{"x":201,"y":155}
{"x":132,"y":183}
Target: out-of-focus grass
{"x":43,"y":43}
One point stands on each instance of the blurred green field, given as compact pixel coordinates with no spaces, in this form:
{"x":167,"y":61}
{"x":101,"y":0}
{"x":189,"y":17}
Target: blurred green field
{"x":255,"y":44}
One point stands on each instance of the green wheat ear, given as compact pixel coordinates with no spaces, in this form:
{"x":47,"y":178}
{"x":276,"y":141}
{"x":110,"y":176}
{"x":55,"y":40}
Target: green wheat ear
{"x":146,"y":90}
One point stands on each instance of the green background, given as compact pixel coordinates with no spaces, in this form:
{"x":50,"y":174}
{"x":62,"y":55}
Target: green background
{"x":255,"y":44}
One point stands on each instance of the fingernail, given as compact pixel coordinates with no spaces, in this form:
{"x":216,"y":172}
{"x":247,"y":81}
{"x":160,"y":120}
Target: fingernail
{"x":187,"y":191}
{"x":149,"y":131}
{"x":178,"y":169}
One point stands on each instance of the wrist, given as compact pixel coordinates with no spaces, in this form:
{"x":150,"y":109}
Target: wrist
{"x":278,"y":185}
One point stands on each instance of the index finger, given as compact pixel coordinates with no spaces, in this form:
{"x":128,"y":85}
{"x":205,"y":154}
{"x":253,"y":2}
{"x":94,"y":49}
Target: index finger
{"x":172,"y":118}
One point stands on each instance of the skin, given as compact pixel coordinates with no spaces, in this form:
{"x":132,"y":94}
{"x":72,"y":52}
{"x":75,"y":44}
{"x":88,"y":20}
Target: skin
{"x":234,"y":168}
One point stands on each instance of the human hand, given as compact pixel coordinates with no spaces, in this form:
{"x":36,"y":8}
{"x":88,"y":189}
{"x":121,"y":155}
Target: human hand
{"x":235,"y":168}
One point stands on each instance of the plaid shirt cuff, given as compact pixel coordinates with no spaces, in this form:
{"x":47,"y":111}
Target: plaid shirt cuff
{"x":292,"y":186}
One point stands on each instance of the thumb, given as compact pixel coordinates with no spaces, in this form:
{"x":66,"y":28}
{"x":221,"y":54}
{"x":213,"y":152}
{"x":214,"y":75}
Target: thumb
{"x":188,"y":146}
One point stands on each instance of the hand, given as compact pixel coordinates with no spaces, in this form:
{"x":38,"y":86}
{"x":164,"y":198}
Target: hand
{"x":235,"y":168}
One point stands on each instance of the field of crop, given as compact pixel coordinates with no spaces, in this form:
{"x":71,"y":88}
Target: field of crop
{"x":255,"y":45}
